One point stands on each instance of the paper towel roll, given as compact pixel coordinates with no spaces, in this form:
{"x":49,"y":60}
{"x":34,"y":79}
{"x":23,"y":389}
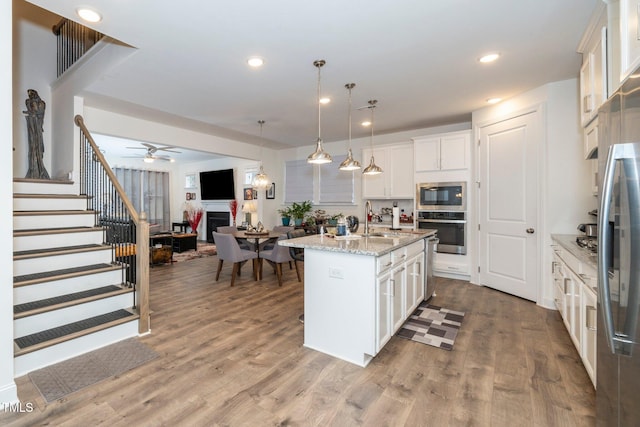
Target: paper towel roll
{"x":395,"y":219}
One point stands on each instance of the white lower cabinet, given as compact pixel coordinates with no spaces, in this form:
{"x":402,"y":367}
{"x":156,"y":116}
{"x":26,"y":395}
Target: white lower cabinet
{"x":589,"y":347}
{"x":383,"y":310}
{"x":576,"y":301}
{"x":399,"y":289}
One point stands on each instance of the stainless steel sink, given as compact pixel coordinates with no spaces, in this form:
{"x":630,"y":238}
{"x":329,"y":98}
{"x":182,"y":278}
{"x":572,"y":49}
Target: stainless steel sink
{"x":388,"y":234}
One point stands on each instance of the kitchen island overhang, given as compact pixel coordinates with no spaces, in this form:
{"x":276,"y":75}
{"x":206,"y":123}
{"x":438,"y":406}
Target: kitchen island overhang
{"x":359,"y":290}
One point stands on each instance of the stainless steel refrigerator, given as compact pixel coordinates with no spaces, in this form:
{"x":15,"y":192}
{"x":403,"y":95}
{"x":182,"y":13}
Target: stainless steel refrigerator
{"x":618,"y":335}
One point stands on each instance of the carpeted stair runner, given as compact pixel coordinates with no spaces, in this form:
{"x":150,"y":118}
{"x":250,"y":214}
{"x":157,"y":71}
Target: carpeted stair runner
{"x":60,"y":331}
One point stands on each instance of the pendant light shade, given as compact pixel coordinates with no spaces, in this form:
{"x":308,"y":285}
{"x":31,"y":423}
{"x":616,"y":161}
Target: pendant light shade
{"x":319,"y":156}
{"x":372,"y":169}
{"x":261,"y":180}
{"x":349,"y":164}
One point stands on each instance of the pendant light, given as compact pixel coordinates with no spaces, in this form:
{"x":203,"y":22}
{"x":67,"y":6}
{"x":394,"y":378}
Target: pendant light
{"x":372,"y":169}
{"x":349,"y":164}
{"x":261,"y":180}
{"x":319,"y":156}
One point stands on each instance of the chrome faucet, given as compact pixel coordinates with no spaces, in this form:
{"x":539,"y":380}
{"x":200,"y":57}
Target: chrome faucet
{"x":367,"y":209}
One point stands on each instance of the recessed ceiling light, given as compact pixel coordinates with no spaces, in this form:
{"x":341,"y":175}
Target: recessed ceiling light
{"x":493,"y":100}
{"x":89,"y":15}
{"x":255,"y":62}
{"x":489,"y":58}
{"x":325,"y":100}
{"x":366,"y":123}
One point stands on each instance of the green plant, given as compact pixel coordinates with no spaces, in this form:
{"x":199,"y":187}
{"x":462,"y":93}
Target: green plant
{"x":285,"y":212}
{"x":335,"y":217}
{"x":299,"y":210}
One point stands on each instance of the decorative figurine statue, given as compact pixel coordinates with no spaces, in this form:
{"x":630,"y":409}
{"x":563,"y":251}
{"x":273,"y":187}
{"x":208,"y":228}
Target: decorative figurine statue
{"x":35,"y":119}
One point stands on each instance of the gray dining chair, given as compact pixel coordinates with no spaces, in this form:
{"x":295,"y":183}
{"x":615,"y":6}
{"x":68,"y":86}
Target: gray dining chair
{"x":229,"y":250}
{"x":229,"y":229}
{"x":297,"y":253}
{"x":277,"y":256}
{"x":282,"y":229}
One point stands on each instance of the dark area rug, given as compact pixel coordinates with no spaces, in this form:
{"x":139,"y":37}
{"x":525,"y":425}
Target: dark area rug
{"x":57,"y":381}
{"x":432,"y":325}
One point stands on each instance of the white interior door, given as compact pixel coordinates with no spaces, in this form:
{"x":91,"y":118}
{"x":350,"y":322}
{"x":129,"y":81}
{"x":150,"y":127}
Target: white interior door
{"x":508,"y":252}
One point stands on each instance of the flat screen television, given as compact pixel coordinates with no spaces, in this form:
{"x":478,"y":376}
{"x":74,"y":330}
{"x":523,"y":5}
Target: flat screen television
{"x":217,"y":185}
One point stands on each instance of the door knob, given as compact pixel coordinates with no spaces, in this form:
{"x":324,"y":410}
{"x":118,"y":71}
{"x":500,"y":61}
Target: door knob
{"x":530,"y":230}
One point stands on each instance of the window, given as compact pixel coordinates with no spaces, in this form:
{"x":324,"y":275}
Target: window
{"x":333,"y":185}
{"x":148,"y":192}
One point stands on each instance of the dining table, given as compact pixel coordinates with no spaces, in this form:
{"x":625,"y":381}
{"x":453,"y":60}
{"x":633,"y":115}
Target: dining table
{"x":256,"y":237}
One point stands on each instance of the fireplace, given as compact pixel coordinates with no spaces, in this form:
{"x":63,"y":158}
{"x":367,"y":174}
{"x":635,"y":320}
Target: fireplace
{"x":215,"y":220}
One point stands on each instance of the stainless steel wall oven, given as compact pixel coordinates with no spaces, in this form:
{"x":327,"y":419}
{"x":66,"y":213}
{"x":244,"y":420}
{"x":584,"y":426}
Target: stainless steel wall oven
{"x":451,"y":227}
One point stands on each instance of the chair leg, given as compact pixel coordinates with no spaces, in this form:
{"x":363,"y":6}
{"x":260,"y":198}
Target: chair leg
{"x":219,"y":268}
{"x":290,"y":266}
{"x":257,"y":265}
{"x":279,"y":273}
{"x":234,"y":272}
{"x":298,"y":271}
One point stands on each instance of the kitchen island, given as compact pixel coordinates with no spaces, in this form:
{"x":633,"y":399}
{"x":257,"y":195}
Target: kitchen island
{"x":359,"y":290}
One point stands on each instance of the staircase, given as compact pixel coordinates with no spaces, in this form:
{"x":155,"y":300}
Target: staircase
{"x":68,"y":292}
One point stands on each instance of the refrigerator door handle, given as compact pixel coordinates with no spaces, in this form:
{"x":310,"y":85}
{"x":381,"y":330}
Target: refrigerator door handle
{"x":618,"y":344}
{"x":604,"y":250}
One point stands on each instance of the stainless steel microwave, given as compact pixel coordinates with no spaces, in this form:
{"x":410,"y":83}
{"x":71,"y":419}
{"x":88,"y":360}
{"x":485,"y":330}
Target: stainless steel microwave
{"x":442,"y":196}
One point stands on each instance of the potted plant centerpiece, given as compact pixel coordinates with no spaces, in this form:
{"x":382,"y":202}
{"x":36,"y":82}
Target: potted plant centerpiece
{"x":285,"y":214}
{"x":299,"y":211}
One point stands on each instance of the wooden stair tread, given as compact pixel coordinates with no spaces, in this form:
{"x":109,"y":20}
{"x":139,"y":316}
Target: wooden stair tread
{"x":61,"y":301}
{"x":60,"y":334}
{"x":44,"y":181}
{"x":66,"y":273}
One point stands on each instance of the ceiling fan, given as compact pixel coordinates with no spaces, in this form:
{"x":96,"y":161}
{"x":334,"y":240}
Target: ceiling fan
{"x":151,"y":155}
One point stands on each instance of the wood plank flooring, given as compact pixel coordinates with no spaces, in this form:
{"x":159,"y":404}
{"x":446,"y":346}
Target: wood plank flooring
{"x":234,"y":357}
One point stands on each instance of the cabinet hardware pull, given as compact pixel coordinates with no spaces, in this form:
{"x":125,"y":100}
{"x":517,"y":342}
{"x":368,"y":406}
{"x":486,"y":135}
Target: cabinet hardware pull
{"x":590,"y":318}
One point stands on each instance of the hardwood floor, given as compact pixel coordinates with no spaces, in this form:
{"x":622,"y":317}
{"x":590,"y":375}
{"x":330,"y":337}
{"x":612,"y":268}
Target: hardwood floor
{"x":234,"y":357}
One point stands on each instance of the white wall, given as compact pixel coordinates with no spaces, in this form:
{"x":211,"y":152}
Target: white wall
{"x":34,"y":67}
{"x":564,"y":185}
{"x":8,"y":391}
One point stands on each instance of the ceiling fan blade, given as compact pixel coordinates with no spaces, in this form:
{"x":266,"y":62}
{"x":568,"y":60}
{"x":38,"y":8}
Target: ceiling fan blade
{"x":149,"y":146}
{"x":167,"y":149}
{"x":137,"y":148}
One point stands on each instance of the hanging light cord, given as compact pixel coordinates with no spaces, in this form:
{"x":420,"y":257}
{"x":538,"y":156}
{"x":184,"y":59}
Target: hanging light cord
{"x":319,"y":64}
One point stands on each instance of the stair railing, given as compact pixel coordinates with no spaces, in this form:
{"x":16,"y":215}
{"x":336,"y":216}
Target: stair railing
{"x":73,"y":41}
{"x":123,"y":228}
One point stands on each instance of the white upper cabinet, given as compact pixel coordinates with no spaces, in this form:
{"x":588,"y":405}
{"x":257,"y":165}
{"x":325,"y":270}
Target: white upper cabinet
{"x":442,"y":152}
{"x":629,"y":37}
{"x":593,"y":77}
{"x":396,"y":180}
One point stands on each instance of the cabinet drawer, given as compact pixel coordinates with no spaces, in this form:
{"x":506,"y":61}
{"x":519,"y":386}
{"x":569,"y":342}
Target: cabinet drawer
{"x":415,"y":248}
{"x":383,"y":263}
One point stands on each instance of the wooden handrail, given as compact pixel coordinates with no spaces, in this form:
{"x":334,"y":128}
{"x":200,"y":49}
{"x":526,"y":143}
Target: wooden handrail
{"x":56,"y":28}
{"x":99,"y":157}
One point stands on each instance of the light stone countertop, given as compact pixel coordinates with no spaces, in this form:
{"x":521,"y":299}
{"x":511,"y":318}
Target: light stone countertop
{"x":358,"y":244}
{"x":568,"y":242}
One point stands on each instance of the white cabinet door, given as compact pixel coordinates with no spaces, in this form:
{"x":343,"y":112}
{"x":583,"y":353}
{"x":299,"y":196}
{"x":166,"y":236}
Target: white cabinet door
{"x":589,"y":331}
{"x":574,"y":289}
{"x":396,"y":179}
{"x":383,"y":310}
{"x":629,"y":37}
{"x":398,"y":288}
{"x":400,"y":162}
{"x":453,"y":152}
{"x":374,"y":186}
{"x":427,"y":154}
{"x":444,"y":152}
{"x":415,"y":284}
{"x":590,"y":138}
{"x":593,"y":79}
